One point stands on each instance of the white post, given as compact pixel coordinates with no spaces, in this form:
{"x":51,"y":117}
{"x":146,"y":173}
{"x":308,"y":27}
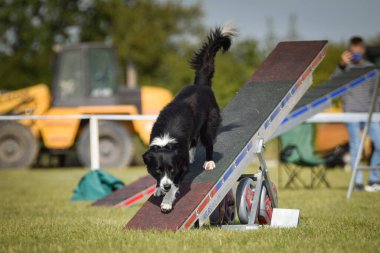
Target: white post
{"x":94,"y":143}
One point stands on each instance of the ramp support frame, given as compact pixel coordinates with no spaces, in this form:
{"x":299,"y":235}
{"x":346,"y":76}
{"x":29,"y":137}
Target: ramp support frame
{"x":262,"y":177}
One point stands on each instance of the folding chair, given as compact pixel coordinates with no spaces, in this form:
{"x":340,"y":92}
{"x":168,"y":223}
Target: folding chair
{"x":297,"y":153}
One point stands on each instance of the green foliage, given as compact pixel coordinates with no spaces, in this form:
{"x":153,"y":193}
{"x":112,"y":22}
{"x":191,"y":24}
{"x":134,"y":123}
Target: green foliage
{"x":326,"y":68}
{"x":144,"y":32}
{"x":234,"y":68}
{"x":174,"y":72}
{"x":328,"y":65}
{"x":375,"y":40}
{"x":159,"y":37}
{"x":228,"y":78}
{"x":28,"y":30}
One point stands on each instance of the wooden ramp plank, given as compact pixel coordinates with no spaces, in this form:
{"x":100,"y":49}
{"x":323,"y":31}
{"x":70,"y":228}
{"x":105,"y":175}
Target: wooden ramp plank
{"x":129,"y":194}
{"x":257,"y":109}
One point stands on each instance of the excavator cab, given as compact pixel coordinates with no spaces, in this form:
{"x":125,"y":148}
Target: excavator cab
{"x":86,"y":81}
{"x":85,"y":74}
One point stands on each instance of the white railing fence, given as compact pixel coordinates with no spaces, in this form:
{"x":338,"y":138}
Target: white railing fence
{"x":343,"y":117}
{"x":94,"y":127}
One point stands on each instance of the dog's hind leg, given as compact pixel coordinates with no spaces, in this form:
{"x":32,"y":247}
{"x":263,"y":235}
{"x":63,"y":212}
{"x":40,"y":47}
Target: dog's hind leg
{"x":192,"y":154}
{"x":209,"y":164}
{"x":208,"y":136}
{"x":192,"y":150}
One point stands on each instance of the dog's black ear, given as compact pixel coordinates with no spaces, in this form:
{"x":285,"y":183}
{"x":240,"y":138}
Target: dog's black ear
{"x":147,"y":157}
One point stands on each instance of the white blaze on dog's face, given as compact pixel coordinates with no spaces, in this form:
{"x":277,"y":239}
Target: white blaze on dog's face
{"x":166,"y":183}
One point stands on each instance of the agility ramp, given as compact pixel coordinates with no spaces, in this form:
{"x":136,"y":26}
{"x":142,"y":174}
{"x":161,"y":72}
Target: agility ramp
{"x":252,"y":116}
{"x":320,"y":98}
{"x":314,"y":101}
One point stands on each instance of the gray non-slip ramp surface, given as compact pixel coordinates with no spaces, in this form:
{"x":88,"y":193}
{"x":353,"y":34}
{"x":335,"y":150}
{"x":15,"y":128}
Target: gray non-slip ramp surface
{"x":255,"y":103}
{"x":320,"y":97}
{"x":354,"y":76}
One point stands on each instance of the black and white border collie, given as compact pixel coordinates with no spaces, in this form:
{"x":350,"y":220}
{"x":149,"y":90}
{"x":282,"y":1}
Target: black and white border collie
{"x":193,"y":115}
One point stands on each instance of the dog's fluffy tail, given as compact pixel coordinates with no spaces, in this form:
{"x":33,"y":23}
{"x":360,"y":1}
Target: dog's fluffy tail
{"x":203,"y":60}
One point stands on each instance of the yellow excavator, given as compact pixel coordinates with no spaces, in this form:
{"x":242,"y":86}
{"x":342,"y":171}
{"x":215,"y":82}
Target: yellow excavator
{"x":85,"y":81}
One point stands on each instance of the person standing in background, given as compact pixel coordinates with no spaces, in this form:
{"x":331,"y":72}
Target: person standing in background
{"x":358,"y":99}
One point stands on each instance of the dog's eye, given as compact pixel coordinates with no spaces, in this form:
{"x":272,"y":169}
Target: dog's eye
{"x":157,"y":171}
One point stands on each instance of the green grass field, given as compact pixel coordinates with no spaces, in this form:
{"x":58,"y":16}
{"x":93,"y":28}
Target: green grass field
{"x":37,"y":216}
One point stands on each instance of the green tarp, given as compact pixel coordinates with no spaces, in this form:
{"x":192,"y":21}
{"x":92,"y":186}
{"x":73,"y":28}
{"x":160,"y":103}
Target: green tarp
{"x":96,"y":184}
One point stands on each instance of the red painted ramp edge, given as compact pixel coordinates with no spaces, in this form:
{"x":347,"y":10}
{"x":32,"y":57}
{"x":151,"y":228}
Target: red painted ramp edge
{"x":190,"y":195}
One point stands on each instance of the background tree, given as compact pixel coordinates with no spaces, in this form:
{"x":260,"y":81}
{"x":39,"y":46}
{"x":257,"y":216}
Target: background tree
{"x":145,"y":32}
{"x":148,"y":33}
{"x":293,"y":33}
{"x":28,"y":30}
{"x":271,"y":38}
{"x":375,"y":40}
{"x":328,"y":65}
{"x":234,"y":68}
{"x":159,"y":37}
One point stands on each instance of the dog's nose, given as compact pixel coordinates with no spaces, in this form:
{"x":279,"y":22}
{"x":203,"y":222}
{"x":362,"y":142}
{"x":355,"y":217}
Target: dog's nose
{"x":167,"y":187}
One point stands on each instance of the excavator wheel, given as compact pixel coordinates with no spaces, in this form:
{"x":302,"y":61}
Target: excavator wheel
{"x":18,"y":146}
{"x":115,"y":145}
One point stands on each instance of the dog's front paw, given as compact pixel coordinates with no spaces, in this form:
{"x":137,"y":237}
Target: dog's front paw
{"x":166,"y":207}
{"x":209,"y":165}
{"x":157,"y":192}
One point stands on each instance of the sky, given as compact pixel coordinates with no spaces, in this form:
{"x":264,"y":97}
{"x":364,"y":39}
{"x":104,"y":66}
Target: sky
{"x":336,"y":20}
